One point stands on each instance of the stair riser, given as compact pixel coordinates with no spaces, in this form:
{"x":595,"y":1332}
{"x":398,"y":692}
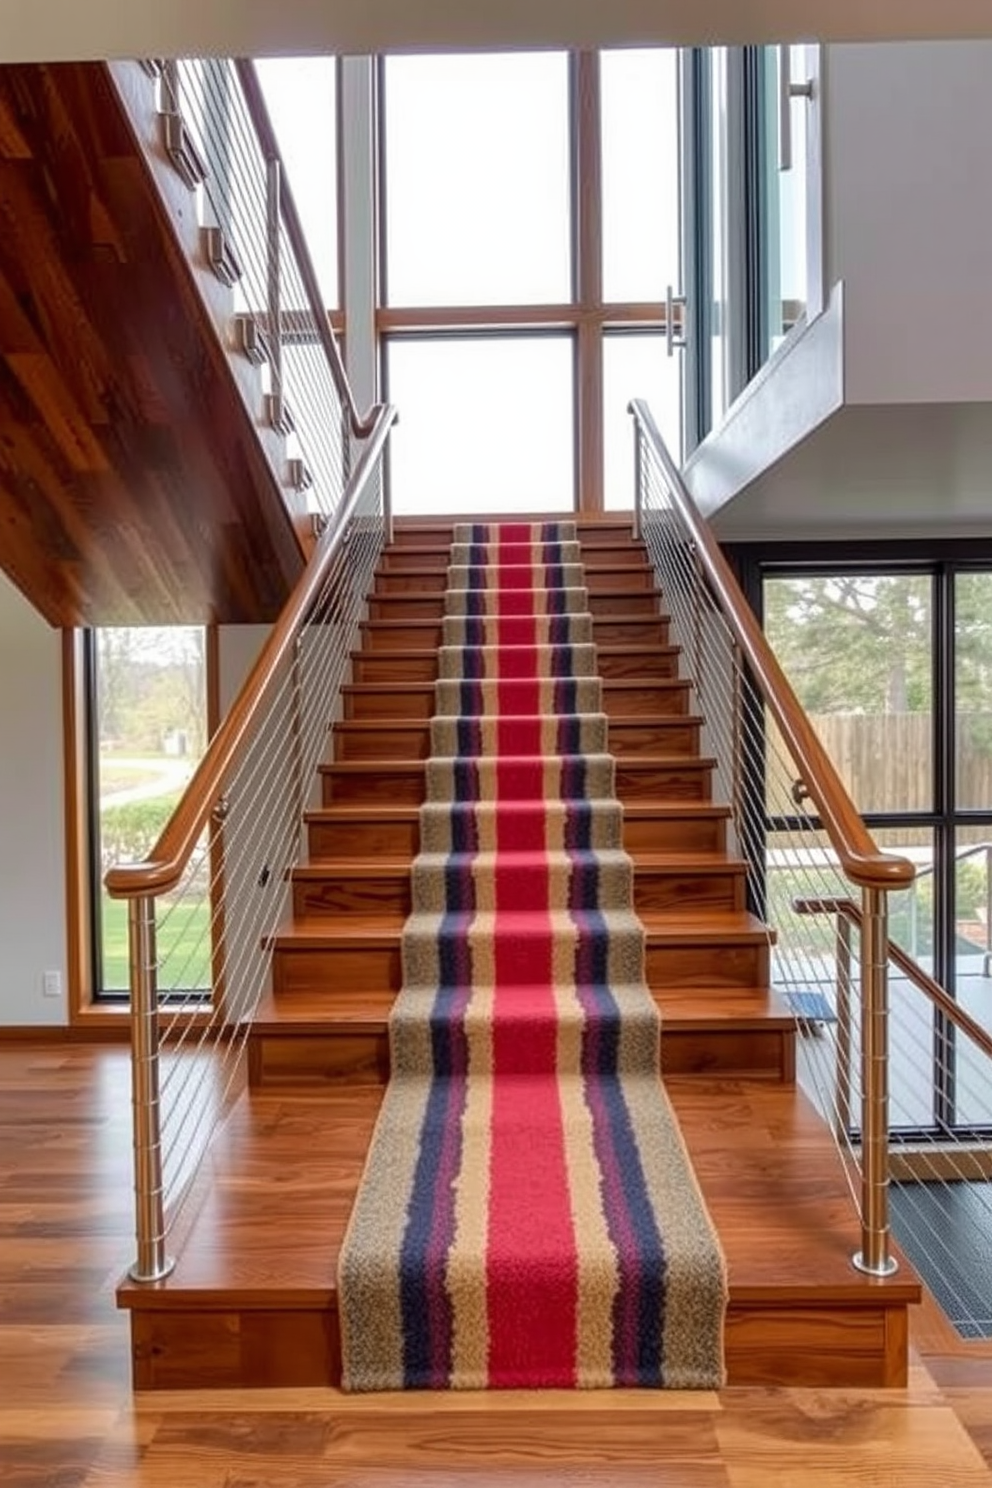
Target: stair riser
{"x":377,"y":966}
{"x":597,"y":579}
{"x":357,"y":839}
{"x":363,"y":839}
{"x":361,"y":968}
{"x":388,"y":666}
{"x":661,"y":783}
{"x":355,"y":895}
{"x":620,"y":699}
{"x":404,"y":787}
{"x":684,"y":834}
{"x":385,"y":787}
{"x":220,"y":1344}
{"x":609,"y":606}
{"x":708,"y":964}
{"x":336,"y":1056}
{"x":412,"y":741}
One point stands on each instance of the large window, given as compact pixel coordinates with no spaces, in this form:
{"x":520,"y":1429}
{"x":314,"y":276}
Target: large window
{"x":477,"y":180}
{"x":301,"y":97}
{"x":530,"y":235}
{"x":892,"y":666}
{"x":464,"y":442}
{"x":642,"y":249}
{"x":148,"y":732}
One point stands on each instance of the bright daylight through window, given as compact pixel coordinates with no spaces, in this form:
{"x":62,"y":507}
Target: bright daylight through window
{"x":535,"y":198}
{"x":149,"y":725}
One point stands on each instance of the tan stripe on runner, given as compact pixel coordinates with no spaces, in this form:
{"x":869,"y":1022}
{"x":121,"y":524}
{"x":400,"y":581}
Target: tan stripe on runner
{"x":598,"y":1271}
{"x":467,"y":1255}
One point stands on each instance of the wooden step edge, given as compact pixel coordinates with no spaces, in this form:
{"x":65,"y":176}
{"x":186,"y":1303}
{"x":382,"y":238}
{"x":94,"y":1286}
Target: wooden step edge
{"x":418,"y":685}
{"x":682,"y":1008}
{"x":658,"y":864}
{"x":662,"y":927}
{"x":424,"y":653}
{"x":360,"y":811}
{"x":437,"y":595}
{"x":616,"y":720}
{"x":433,"y":620}
{"x":597,"y":558}
{"x":639,"y":763}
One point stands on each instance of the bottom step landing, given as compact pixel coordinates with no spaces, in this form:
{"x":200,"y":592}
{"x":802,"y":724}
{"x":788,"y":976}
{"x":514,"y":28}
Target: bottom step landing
{"x":252,"y":1301}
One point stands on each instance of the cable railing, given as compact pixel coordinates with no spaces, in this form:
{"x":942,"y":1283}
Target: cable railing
{"x":796,"y":829}
{"x":205,"y":904}
{"x":217,"y":132}
{"x":940,"y":1102}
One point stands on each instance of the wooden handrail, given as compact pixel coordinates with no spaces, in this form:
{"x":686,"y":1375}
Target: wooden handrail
{"x":860,"y":859}
{"x":913,"y":970}
{"x":166,"y":862}
{"x":361,"y":424}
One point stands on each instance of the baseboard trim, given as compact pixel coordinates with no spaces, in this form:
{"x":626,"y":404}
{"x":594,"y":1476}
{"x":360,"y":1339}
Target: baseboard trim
{"x":106,"y":1031}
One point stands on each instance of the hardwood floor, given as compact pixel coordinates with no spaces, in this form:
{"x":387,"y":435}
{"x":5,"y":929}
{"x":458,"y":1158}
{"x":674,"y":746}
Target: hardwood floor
{"x":68,"y":1420}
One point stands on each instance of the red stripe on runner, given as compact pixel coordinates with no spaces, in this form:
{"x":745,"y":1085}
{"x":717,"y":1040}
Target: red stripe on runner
{"x":531,"y":1248}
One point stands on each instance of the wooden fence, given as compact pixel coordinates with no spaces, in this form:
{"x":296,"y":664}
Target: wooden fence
{"x":886,"y":759}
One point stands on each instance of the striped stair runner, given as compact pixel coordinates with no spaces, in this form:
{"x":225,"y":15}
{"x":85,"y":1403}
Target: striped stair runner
{"x":527,"y":1216}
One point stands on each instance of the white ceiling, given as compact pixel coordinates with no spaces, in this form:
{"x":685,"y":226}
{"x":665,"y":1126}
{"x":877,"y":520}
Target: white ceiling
{"x":38,"y":30}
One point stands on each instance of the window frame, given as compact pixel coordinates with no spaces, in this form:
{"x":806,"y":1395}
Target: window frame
{"x":587,"y":316}
{"x":942,"y":562}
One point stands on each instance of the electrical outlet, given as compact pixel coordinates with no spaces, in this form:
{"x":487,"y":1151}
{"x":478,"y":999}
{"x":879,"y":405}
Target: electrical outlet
{"x":51,"y":984}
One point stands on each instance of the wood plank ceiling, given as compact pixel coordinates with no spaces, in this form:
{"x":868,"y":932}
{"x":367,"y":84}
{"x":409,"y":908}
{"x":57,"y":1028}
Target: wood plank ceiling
{"x":133,"y":487}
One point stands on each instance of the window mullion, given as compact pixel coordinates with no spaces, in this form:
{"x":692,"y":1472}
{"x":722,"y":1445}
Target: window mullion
{"x":587,"y":228}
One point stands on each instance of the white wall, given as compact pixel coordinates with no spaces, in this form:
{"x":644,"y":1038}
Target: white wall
{"x":64,"y":29}
{"x":908,"y":201}
{"x":32,"y":821}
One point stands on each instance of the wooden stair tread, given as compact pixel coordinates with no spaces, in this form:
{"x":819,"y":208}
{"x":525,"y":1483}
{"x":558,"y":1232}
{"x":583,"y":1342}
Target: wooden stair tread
{"x":385,"y":626}
{"x":661,"y":926}
{"x":391,"y":865}
{"x":425,"y":653}
{"x":439,"y":549}
{"x":438,"y":594}
{"x":269,"y":1228}
{"x":357,"y":1010}
{"x":426,"y":685}
{"x":653,"y":720}
{"x":617,"y":560}
{"x":696,"y":1007}
{"x":642,"y":763}
{"x":359,"y":811}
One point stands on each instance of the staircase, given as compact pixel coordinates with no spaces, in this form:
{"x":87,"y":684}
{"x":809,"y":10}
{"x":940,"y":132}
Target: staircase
{"x":252,"y":1300}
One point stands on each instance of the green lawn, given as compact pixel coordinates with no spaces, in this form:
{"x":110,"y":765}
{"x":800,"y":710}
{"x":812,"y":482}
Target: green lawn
{"x":183,"y":946}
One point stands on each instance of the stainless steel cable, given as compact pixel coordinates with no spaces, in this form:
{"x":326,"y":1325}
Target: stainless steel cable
{"x":235,"y":198}
{"x":815,"y":949}
{"x":245,"y":878}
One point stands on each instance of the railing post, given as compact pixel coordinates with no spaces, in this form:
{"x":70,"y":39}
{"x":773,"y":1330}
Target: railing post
{"x":873,"y":1257}
{"x":273,"y":223}
{"x":151,"y":1263}
{"x":385,"y":487}
{"x":843,"y":1071}
{"x":638,"y":478}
